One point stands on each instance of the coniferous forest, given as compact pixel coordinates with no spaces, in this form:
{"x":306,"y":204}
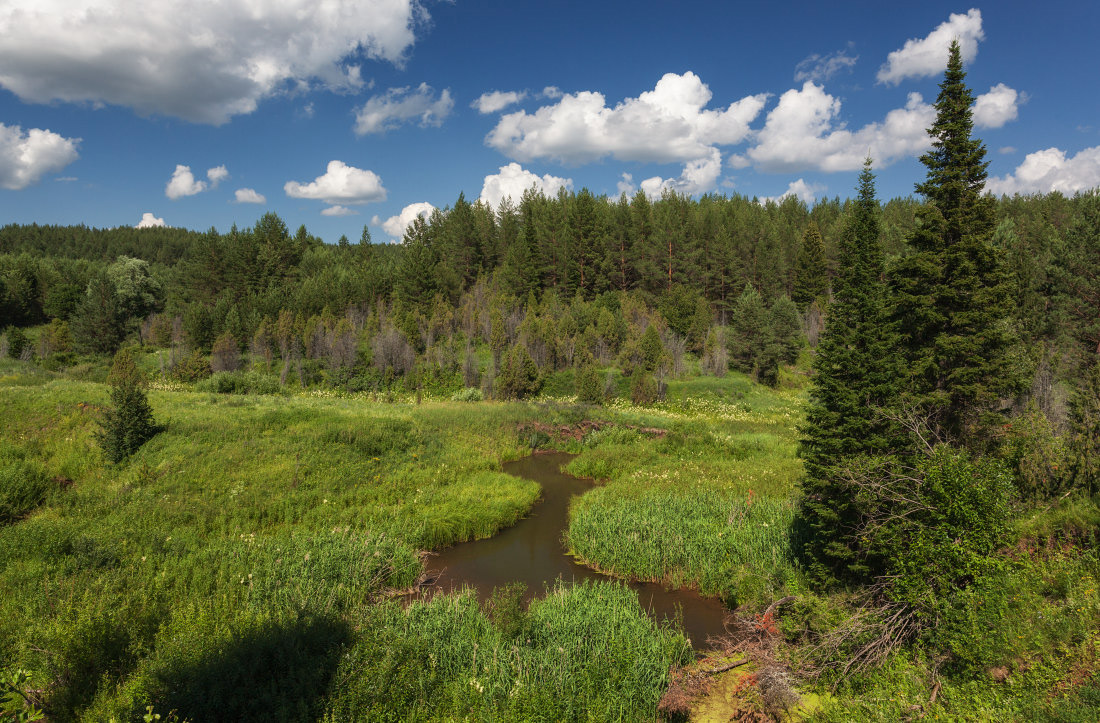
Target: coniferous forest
{"x":870,"y":428}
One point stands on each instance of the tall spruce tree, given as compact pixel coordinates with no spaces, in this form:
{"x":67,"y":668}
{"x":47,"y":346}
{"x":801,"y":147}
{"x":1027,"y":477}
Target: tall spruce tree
{"x":811,"y":280}
{"x":950,"y":292}
{"x":856,"y":377}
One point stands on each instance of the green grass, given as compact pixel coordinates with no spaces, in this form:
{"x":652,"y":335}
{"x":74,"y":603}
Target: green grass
{"x":241,"y":564}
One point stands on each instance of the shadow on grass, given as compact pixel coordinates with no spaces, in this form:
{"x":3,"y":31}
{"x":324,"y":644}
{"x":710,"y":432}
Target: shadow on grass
{"x":277,"y":672}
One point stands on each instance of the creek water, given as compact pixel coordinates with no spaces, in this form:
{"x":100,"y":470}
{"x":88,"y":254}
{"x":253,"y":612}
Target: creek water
{"x":531,"y":552}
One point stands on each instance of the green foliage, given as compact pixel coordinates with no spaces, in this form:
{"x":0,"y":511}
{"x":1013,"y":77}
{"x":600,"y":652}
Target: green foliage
{"x":650,"y":349}
{"x":947,"y":538}
{"x":16,"y":706}
{"x":519,"y":377}
{"x":129,"y":423}
{"x":590,"y":385}
{"x":811,"y":279}
{"x":855,"y":380}
{"x":1084,"y":438}
{"x":643,"y":389}
{"x":17,"y":341}
{"x":98,"y":325}
{"x":24,"y":486}
{"x":950,"y":293}
{"x":191,"y":368}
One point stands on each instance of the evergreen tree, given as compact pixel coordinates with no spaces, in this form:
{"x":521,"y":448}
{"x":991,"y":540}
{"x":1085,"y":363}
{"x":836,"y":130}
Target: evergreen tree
{"x":856,"y":376}
{"x":950,"y":292}
{"x":99,"y":322}
{"x":811,"y":280}
{"x":748,"y":329}
{"x":129,"y":423}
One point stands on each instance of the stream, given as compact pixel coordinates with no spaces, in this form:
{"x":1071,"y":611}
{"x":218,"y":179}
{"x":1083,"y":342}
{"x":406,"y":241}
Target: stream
{"x":531,"y":552}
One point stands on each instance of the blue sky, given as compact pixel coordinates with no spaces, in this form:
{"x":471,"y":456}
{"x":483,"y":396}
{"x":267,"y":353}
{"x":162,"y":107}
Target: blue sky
{"x":353,"y":112}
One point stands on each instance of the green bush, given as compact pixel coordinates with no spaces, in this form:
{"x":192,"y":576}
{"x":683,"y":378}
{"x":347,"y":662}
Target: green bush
{"x":590,"y":385}
{"x":643,"y":389}
{"x":23,"y":488}
{"x":469,"y":394}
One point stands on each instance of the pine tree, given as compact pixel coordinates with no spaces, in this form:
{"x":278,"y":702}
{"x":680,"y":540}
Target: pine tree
{"x":856,"y":376}
{"x":811,"y":280}
{"x":950,"y":292}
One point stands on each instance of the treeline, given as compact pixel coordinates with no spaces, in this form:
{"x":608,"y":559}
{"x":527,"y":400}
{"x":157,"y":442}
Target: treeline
{"x":571,"y":278}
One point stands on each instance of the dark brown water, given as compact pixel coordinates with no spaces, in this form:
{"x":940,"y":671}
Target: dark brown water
{"x":531,"y":552}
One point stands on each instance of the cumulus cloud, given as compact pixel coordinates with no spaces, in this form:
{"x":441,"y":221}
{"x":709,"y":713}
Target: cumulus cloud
{"x":806,"y":192}
{"x":216,"y":175}
{"x":390,"y":109}
{"x":802,"y":133}
{"x":497,"y":100}
{"x":922,"y":57}
{"x":552,"y":92}
{"x":823,"y":67}
{"x":626,"y":185}
{"x":667,"y":124}
{"x":513,"y":180}
{"x":395,"y":226}
{"x":148,"y":220}
{"x":340,"y":184}
{"x":1050,"y":170}
{"x":997,"y":107}
{"x":203,"y":62}
{"x":339,"y":210}
{"x":249,"y":195}
{"x":183,"y":183}
{"x":27,"y":156}
{"x":698,"y":176}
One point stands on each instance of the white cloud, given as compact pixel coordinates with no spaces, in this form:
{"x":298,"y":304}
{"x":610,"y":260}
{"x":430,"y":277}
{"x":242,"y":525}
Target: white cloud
{"x":340,"y":183}
{"x":204,"y":62}
{"x":390,"y":109}
{"x":626,"y":185}
{"x":822,"y":67}
{"x":497,"y":100}
{"x":920,"y":58}
{"x":249,"y":195}
{"x":667,"y":124}
{"x":997,"y":107}
{"x":1050,"y":170}
{"x":395,"y":226}
{"x":697,"y":177}
{"x":339,"y":210}
{"x":216,"y":175}
{"x":148,"y":220}
{"x":27,"y":156}
{"x":513,"y":180}
{"x":1006,"y":150}
{"x":800,"y":189}
{"x":801,"y":133}
{"x":552,"y":92}
{"x":183,"y":183}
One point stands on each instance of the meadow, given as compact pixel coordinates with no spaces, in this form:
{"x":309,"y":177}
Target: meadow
{"x":248,"y":562}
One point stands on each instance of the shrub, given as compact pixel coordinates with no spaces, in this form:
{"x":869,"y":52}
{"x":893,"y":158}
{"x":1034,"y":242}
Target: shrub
{"x":590,"y":388}
{"x":519,"y":377}
{"x":23,"y":487}
{"x":643,"y":389}
{"x":470,"y":394}
{"x":191,"y":368}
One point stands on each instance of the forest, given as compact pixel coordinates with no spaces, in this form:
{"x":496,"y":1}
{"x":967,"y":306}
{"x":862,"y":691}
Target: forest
{"x":871,"y":429}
